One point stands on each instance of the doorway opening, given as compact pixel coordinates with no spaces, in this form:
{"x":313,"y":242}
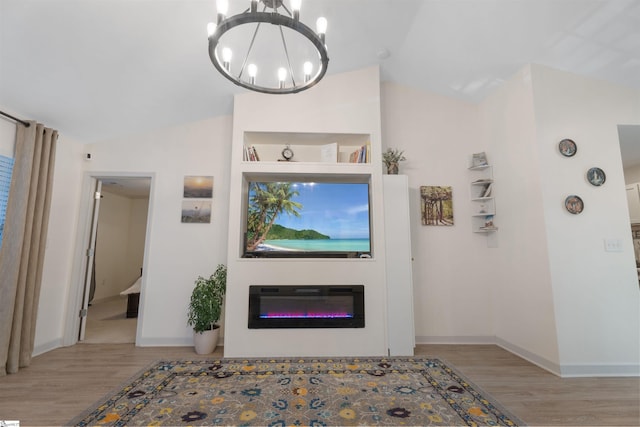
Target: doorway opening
{"x":114,"y":265}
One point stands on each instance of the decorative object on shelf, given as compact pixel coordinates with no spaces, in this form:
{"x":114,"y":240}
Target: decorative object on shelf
{"x":574,"y":204}
{"x":567,"y":147}
{"x":198,"y":187}
{"x":596,"y":176}
{"x":436,"y":205}
{"x":205,"y":308}
{"x":391,"y":159}
{"x":196,"y":211}
{"x":488,"y":224}
{"x":287,"y":153}
{"x":281,"y":73}
{"x":479,"y":160}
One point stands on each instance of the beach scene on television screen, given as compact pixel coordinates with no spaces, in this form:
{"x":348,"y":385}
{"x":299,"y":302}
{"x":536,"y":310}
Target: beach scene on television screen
{"x":308,"y":217}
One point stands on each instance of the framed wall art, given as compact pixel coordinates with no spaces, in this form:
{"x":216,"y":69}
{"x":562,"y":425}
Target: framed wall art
{"x":567,"y":147}
{"x":198,"y":187}
{"x":596,"y":177}
{"x":574,"y":204}
{"x":196,"y":211}
{"x":436,"y":205}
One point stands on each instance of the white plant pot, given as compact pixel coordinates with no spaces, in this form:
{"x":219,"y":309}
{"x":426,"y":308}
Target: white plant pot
{"x":206,"y":342}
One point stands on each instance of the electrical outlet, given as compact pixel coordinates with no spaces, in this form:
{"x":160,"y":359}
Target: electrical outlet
{"x":613,"y":245}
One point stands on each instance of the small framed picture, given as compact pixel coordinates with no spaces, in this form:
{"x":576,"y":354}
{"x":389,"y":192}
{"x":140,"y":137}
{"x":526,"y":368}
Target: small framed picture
{"x":567,"y":147}
{"x":196,"y":211}
{"x":596,"y":176}
{"x":200,"y":187}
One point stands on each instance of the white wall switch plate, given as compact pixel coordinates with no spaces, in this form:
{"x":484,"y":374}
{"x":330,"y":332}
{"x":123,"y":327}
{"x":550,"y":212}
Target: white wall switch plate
{"x":613,"y":245}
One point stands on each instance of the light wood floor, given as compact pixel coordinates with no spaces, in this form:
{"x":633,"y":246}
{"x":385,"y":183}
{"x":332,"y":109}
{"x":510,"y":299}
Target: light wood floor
{"x":62,"y":383}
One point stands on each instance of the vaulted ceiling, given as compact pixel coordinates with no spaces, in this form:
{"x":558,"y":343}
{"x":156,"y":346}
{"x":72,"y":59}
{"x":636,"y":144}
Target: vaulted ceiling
{"x":99,"y":69}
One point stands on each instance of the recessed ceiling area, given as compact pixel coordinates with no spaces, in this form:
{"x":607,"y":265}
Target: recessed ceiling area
{"x":98,"y":70}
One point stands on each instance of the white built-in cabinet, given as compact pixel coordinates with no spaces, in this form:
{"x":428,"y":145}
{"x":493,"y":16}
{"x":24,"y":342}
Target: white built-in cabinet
{"x":400,"y":323}
{"x":633,"y":199}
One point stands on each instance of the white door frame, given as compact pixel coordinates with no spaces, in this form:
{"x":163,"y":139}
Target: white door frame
{"x":85,"y":216}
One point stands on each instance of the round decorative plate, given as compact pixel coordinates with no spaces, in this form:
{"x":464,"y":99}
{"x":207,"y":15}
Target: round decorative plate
{"x":567,"y":147}
{"x":574,"y":204}
{"x":596,"y":176}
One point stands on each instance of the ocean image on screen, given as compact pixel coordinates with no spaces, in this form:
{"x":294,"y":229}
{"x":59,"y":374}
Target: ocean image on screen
{"x":308,"y":217}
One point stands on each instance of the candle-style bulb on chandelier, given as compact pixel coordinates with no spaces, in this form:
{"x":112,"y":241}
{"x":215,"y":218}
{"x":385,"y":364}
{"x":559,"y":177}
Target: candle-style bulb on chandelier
{"x":284,"y":57}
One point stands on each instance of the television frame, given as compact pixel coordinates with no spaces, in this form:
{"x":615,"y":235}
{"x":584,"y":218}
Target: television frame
{"x":299,"y":178}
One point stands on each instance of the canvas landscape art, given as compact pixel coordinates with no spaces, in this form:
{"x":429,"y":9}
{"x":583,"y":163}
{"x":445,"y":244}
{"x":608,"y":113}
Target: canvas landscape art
{"x":196,"y":211}
{"x":198,"y":187}
{"x":436,"y":205}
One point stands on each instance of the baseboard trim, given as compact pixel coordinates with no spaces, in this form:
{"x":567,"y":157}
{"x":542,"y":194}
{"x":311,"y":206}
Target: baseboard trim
{"x":576,"y":371}
{"x":455,"y":340}
{"x":541,"y":362}
{"x":48,"y":346}
{"x":563,"y":371}
{"x":165,"y":342}
{"x":171,"y":342}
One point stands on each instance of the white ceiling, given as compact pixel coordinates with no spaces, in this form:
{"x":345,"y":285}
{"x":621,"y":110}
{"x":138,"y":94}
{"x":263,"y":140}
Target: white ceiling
{"x":99,"y":69}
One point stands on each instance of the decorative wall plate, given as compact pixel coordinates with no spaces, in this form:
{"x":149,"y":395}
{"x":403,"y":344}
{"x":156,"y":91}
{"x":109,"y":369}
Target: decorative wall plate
{"x":596,"y":176}
{"x":567,"y":147}
{"x":574,"y":204}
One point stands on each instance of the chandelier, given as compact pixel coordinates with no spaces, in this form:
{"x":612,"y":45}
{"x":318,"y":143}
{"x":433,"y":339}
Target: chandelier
{"x":285,"y":57}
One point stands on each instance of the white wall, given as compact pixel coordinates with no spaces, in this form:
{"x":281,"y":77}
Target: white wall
{"x":7,"y":138}
{"x":176,"y":253}
{"x":522,"y":303}
{"x":121,"y":232}
{"x":452,"y":266}
{"x":60,"y":250}
{"x":596,"y":294}
{"x":632,"y":175}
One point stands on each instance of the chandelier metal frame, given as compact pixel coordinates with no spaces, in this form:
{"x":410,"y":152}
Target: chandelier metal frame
{"x":252,"y":15}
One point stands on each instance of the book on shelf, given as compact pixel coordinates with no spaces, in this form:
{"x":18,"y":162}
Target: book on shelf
{"x":361,"y":155}
{"x":250,"y":154}
{"x":479,"y":160}
{"x":329,"y":153}
{"x":487,"y":190}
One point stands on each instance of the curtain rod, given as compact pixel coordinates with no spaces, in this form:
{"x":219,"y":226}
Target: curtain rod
{"x":15,"y":119}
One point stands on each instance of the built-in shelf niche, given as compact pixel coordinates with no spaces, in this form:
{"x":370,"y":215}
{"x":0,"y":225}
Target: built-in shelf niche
{"x":306,"y":147}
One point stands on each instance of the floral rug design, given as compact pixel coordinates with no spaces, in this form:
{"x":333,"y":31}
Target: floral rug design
{"x":306,"y":392}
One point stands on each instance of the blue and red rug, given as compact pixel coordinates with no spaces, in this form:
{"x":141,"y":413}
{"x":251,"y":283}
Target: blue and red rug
{"x":307,"y":392}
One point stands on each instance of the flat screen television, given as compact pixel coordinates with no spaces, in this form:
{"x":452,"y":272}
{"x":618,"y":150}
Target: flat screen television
{"x":307,"y":220}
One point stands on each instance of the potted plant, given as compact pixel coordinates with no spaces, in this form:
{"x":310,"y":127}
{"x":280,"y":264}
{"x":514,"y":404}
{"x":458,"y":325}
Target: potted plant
{"x":205,"y":308}
{"x":391,"y":158}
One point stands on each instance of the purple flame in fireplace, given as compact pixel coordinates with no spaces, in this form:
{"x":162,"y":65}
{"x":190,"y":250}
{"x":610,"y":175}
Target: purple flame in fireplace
{"x":310,"y":306}
{"x":308,"y":315}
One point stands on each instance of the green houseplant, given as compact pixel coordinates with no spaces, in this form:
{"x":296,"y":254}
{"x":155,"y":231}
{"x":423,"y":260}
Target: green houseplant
{"x":391,"y":158}
{"x":205,"y":308}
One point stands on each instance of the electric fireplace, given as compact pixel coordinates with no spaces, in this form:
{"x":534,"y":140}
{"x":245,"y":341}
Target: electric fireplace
{"x":338,"y":306}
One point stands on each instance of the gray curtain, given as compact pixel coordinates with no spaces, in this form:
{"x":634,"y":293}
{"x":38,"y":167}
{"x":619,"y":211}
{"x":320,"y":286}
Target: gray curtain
{"x":23,"y":243}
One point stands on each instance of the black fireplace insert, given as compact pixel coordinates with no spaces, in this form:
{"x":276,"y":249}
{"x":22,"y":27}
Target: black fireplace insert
{"x":331,"y":306}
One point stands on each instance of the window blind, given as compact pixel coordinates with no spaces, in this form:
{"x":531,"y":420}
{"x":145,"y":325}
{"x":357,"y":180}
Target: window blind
{"x":6,"y":168}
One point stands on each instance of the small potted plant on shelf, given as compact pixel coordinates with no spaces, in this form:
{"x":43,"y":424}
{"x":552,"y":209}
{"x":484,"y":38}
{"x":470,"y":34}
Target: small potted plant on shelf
{"x":205,"y":308}
{"x":391,"y":159}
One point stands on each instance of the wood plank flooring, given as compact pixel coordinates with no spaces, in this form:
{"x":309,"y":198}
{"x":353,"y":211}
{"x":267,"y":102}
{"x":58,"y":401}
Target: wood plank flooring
{"x":64,"y":382}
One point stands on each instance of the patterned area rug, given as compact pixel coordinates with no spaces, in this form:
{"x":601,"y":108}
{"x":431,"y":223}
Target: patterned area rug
{"x":309,"y":392}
